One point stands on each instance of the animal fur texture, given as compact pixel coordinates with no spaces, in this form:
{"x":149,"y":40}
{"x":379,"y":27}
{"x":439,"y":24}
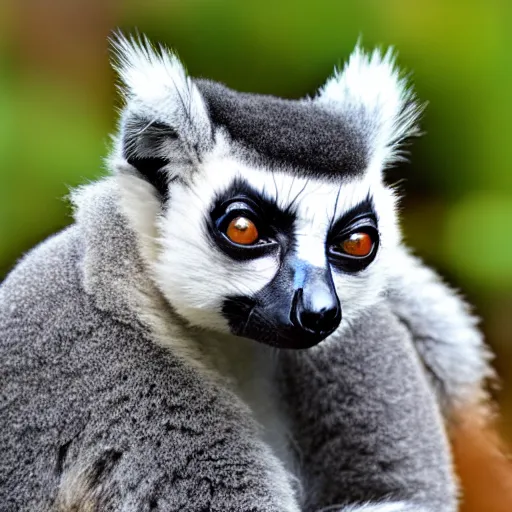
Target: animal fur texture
{"x":143,"y":359}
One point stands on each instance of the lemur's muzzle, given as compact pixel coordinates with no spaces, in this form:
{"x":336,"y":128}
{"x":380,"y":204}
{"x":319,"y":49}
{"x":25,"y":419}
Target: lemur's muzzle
{"x":315,"y":307}
{"x":298,"y":309}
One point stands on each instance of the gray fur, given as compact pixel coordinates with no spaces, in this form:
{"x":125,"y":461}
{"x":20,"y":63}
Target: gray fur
{"x":299,"y":134}
{"x":95,"y":414}
{"x":451,"y":347}
{"x":365,"y":416}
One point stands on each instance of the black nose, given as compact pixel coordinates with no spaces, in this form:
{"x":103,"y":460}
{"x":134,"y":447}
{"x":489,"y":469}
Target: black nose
{"x":317,"y":309}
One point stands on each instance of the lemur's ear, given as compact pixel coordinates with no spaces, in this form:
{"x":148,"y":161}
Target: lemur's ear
{"x":164,"y":127}
{"x":371,"y":92}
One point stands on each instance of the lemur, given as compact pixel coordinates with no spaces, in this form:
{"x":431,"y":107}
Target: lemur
{"x":232,"y":322}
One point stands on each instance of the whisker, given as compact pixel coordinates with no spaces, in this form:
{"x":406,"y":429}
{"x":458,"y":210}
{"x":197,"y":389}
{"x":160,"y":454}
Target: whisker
{"x":290,"y":205}
{"x":335,"y":208}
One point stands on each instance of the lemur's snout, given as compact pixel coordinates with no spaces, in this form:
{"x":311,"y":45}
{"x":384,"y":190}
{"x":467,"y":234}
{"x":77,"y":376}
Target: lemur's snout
{"x":316,"y":307}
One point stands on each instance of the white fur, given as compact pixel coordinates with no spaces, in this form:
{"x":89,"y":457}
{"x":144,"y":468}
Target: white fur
{"x":370,"y":91}
{"x":142,"y":207}
{"x":154,"y":76}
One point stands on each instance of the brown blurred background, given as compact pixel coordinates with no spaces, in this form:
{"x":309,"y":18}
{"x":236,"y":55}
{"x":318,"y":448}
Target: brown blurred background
{"x":57,"y":99}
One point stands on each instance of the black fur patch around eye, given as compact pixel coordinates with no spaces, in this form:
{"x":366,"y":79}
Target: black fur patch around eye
{"x":364,"y":208}
{"x":143,"y":143}
{"x":360,"y":218}
{"x":299,"y":134}
{"x":266,"y":207}
{"x":274,"y":225}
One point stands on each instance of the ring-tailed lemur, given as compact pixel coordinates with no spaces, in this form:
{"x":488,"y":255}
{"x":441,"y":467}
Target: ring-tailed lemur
{"x":144,"y":361}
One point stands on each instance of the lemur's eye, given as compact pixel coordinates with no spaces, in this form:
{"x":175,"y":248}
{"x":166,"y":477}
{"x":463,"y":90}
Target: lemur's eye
{"x":358,"y":245}
{"x":355,"y":248}
{"x":243,"y":231}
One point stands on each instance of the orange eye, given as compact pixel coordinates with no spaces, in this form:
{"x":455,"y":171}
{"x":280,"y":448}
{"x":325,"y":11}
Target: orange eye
{"x":358,"y":244}
{"x":242,"y":231}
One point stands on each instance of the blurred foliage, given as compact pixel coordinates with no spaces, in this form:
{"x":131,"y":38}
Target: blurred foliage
{"x":57,"y":97}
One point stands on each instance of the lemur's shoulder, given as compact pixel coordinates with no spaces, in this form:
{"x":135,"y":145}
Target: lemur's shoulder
{"x":457,"y":362}
{"x":444,"y":330}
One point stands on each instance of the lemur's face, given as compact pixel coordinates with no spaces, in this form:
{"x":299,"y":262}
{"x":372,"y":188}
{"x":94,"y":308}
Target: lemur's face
{"x":271,"y":220}
{"x":272,"y":257}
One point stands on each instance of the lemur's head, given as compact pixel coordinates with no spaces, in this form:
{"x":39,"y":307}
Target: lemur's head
{"x":259,"y":216}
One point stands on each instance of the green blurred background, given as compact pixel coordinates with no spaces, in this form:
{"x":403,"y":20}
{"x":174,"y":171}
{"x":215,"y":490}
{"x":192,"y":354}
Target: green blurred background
{"x":57,"y":102}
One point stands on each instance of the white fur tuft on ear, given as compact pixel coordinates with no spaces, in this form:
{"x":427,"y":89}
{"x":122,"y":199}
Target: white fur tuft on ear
{"x":164,"y":111}
{"x":371,"y":90}
{"x":148,"y":73}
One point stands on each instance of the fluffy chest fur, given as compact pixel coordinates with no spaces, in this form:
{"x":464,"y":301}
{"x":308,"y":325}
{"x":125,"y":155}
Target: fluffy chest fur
{"x":240,"y":366}
{"x":250,"y":370}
